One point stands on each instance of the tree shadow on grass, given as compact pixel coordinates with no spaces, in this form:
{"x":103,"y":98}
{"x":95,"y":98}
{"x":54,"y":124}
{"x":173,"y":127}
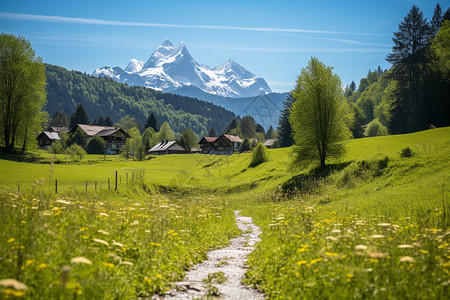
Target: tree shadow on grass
{"x":309,"y":181}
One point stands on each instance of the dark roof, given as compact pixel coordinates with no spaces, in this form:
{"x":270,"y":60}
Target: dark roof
{"x":50,"y":135}
{"x":207,"y":139}
{"x":108,"y":132}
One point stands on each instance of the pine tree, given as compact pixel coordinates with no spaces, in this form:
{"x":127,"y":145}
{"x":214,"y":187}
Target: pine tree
{"x":284,"y":126}
{"x":437,"y":19}
{"x":353,"y":86}
{"x":270,"y":134}
{"x":212,"y":132}
{"x":408,"y":58}
{"x":79,"y":116}
{"x":108,"y":121}
{"x":152,"y":122}
{"x":60,"y":119}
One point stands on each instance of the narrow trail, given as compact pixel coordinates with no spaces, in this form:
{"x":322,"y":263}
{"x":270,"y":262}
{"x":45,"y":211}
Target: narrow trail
{"x":229,"y":260}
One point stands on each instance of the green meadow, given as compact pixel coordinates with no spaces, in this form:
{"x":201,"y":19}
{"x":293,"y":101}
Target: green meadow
{"x":373,"y":224}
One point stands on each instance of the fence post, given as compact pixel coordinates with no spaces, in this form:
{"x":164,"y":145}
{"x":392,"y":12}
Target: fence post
{"x":86,"y":187}
{"x":18,"y":189}
{"x":127,"y":178}
{"x":109,"y":185}
{"x":96,"y":185}
{"x":116,"y":182}
{"x":56,"y":186}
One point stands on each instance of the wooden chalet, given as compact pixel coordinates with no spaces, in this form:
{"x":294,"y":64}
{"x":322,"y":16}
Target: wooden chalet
{"x":114,"y":137}
{"x":58,"y":129}
{"x":270,"y":143}
{"x":46,"y":138}
{"x":168,"y":147}
{"x":207,"y":144}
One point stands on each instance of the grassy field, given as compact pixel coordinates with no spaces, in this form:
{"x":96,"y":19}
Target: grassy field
{"x":372,"y":225}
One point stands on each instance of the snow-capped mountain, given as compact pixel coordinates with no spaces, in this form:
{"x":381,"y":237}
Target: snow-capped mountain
{"x":170,"y":68}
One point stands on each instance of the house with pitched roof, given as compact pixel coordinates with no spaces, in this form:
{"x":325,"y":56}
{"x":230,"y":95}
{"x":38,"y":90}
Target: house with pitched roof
{"x":224,"y":144}
{"x":168,"y":147}
{"x":114,"y":137}
{"x":46,"y":138}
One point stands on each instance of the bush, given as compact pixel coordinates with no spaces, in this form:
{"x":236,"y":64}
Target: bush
{"x":259,"y":155}
{"x":56,"y":148}
{"x":96,"y":145}
{"x":406,"y":152}
{"x":375,"y":128}
{"x":76,"y":152}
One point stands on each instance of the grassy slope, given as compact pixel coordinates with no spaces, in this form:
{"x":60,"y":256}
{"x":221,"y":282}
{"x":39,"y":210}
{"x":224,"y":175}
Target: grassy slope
{"x":409,"y":192}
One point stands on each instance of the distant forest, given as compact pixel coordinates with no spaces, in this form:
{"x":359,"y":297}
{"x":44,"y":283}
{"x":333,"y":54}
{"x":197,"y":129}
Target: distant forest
{"x":103,"y":96}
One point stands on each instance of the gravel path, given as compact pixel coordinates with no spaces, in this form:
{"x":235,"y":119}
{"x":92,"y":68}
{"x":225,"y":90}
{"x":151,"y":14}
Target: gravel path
{"x":230,"y":260}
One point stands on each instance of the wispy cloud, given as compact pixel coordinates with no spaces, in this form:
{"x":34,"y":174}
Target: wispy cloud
{"x":346,"y":41}
{"x":307,"y":50}
{"x":59,"y":19}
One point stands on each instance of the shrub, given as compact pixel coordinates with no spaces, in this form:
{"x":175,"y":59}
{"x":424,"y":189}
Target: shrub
{"x":56,"y":148}
{"x":375,"y":128}
{"x":96,"y":145}
{"x":75,"y":151}
{"x":406,"y":152}
{"x":259,"y":155}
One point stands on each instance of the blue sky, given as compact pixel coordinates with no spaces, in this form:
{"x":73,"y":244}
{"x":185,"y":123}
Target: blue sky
{"x":273,"y":39}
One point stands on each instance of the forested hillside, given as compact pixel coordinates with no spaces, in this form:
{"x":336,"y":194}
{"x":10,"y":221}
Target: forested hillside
{"x":102,"y":96}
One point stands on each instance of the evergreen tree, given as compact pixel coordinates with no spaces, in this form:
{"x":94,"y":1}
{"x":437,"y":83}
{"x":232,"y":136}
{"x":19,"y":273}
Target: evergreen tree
{"x":437,"y":19}
{"x":284,"y":129}
{"x":353,"y":86}
{"x":380,"y":71}
{"x":357,"y":127}
{"x":79,"y":137}
{"x":147,"y":138}
{"x":446,"y":15}
{"x":212,"y":132}
{"x":108,"y":121}
{"x":60,"y":119}
{"x":408,"y":59}
{"x":247,"y":127}
{"x":79,"y":116}
{"x":152,"y":122}
{"x":270,"y":134}
{"x":260,"y":128}
{"x":99,"y":122}
{"x":232,"y":125}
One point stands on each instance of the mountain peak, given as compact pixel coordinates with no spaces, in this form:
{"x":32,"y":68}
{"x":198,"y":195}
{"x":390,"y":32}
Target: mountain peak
{"x":167,"y":43}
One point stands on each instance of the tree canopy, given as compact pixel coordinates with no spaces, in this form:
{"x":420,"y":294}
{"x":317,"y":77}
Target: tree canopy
{"x":319,"y":116}
{"x":79,"y":116}
{"x":22,"y":92}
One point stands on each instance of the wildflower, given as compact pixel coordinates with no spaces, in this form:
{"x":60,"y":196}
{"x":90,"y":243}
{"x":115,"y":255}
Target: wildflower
{"x":377,"y":236}
{"x":126,"y":263}
{"x":360,"y":247}
{"x":336,"y":231}
{"x":147,"y":280}
{"x":11,"y":240}
{"x":315,"y":260}
{"x":384,"y":224}
{"x":407,"y":259}
{"x":23,"y":222}
{"x":424,"y":251}
{"x":331,"y":254}
{"x":104,"y":215}
{"x":331,"y":238}
{"x":301,"y":262}
{"x":13,"y":292}
{"x":41,"y":266}
{"x":118,"y":244}
{"x":373,"y":260}
{"x":29,"y":262}
{"x":378,"y":255}
{"x":107,"y":264}
{"x":14,"y":284}
{"x":63,"y":202}
{"x":101,"y":242}
{"x":155,"y":244}
{"x":103,"y":232}
{"x":405,"y":246}
{"x":80,"y":260}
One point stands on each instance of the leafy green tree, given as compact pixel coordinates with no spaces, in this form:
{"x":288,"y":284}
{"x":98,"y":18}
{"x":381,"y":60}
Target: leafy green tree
{"x":79,"y":137}
{"x":126,"y":123}
{"x":188,"y":139}
{"x":212,"y":132}
{"x":147,"y":138}
{"x":375,"y":128}
{"x":166,"y":133}
{"x":245,"y":146}
{"x":75,"y":151}
{"x":56,"y":148}
{"x":152,"y":122}
{"x":60,"y":119}
{"x":22,"y":92}
{"x":259,"y":155}
{"x":96,"y":145}
{"x":408,"y":60}
{"x":259,"y":136}
{"x":285,"y":134}
{"x":133,"y":144}
{"x":363,"y":84}
{"x":79,"y":116}
{"x":320,"y":116}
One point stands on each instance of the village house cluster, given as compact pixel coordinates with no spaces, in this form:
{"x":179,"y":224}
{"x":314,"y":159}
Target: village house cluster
{"x":115,"y":138}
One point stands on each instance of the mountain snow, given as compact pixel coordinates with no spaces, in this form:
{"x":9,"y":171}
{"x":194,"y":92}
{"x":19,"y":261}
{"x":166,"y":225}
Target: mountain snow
{"x":170,"y":68}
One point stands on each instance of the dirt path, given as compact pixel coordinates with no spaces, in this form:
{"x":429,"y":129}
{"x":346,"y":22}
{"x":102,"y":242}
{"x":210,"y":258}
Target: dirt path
{"x":230,"y":260}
